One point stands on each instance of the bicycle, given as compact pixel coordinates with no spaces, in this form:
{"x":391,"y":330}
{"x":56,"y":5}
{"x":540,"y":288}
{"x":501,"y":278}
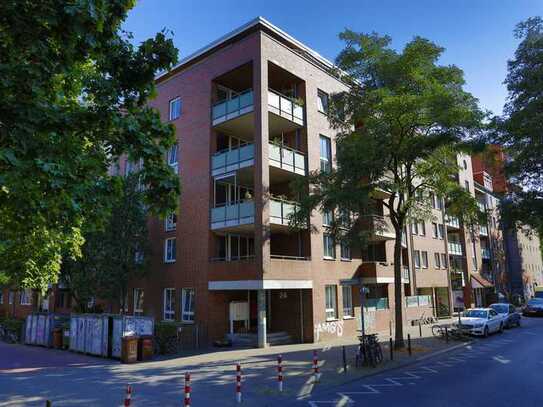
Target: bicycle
{"x":442,"y":331}
{"x":7,"y":335}
{"x":369,"y":351}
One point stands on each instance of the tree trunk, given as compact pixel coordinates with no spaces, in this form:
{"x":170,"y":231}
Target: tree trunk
{"x":398,"y":305}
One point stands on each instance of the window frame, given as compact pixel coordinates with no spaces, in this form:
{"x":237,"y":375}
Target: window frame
{"x":345,"y":253}
{"x":170,"y":110}
{"x":333,"y":310}
{"x":326,"y":236}
{"x":416,"y":259}
{"x":27,"y":296}
{"x":170,"y":226}
{"x":444,"y":261}
{"x":329,"y":213}
{"x":323,"y":96}
{"x":424,"y":259}
{"x":435,"y":233}
{"x":173,"y":252}
{"x":169,"y":155}
{"x":168,"y":313}
{"x":326,"y":160}
{"x":349,"y":297}
{"x":136,"y":311}
{"x":437,"y":260}
{"x":191,"y":312}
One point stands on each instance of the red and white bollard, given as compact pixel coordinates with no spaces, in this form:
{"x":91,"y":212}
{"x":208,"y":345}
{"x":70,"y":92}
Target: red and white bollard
{"x":316,"y":373}
{"x":280,"y":372}
{"x":128,"y":396}
{"x":238,"y":383}
{"x":187,"y":389}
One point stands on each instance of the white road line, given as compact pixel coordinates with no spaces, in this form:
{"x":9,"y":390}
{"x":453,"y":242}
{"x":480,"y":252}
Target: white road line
{"x":499,"y":358}
{"x":343,"y":401}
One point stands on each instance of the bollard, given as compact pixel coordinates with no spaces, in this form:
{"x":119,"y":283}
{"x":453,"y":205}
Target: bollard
{"x":344,"y":360}
{"x":128,"y":397}
{"x":316,"y":373}
{"x":391,"y":349}
{"x":280,"y":372}
{"x":409,"y":343}
{"x":238,"y":383}
{"x":48,"y":403}
{"x":420,"y":329}
{"x":447,"y":334}
{"x":187,"y":389}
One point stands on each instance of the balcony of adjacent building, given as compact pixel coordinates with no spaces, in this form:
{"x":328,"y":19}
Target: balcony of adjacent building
{"x":455,"y":244}
{"x":376,"y":268}
{"x":286,"y":97}
{"x":452,"y":222}
{"x":483,"y":230}
{"x":377,"y":223}
{"x":232,"y":102}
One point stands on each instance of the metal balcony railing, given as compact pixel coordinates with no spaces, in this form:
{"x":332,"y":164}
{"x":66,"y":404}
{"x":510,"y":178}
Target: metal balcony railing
{"x":285,"y":107}
{"x":232,"y":108}
{"x":287,"y":159}
{"x":455,"y":248}
{"x":452,"y":221}
{"x":231,"y":160}
{"x":281,"y":211}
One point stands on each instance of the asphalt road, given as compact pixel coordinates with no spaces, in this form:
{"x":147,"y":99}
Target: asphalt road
{"x":502,"y":370}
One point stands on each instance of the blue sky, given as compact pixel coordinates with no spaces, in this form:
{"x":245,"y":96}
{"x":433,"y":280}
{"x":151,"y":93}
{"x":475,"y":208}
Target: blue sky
{"x":477,"y":34}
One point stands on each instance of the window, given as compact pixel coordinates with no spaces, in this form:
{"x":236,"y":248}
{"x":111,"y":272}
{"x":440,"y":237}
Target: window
{"x":235,"y":247}
{"x":169,"y":304}
{"x":328,"y":217}
{"x":417,"y":259}
{"x":25,"y":297}
{"x":466,"y":184}
{"x":322,"y":101}
{"x":11,"y":297}
{"x":465,"y":163}
{"x":415,"y":228}
{"x":440,"y":231}
{"x":139,"y":257}
{"x":437,"y":260}
{"x":169,"y":250}
{"x":330,"y":292}
{"x":444,"y":260}
{"x":172,"y":155}
{"x":175,"y":108}
{"x":1,"y":296}
{"x":434,"y":230}
{"x":138,"y":302}
{"x":345,"y":251}
{"x":424,"y":258}
{"x":347,"y":294}
{"x":422,"y":229}
{"x":326,"y":154}
{"x":171,"y":222}
{"x":187,"y":303}
{"x":329,"y":246}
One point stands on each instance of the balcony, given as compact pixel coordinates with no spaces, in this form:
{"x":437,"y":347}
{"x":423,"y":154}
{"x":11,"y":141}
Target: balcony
{"x":286,"y":114}
{"x":233,"y":215}
{"x":280,"y":213}
{"x":485,"y":253}
{"x":226,"y":161}
{"x":483,"y":230}
{"x":380,"y":226}
{"x":452,"y":222}
{"x":455,"y":248}
{"x":287,"y":159}
{"x":374,"y":272}
{"x":232,"y":108}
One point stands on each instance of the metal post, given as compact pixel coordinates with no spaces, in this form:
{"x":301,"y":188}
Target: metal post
{"x":261,"y":299}
{"x":447,"y":334}
{"x":409,"y":343}
{"x":238,"y":383}
{"x":344,"y":360}
{"x":48,"y":403}
{"x":391,"y":349}
{"x":362,"y":309}
{"x":420,"y":328}
{"x":280,"y":372}
{"x":187,"y":389}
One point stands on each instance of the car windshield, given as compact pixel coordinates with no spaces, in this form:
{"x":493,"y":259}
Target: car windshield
{"x":476,"y":313}
{"x":536,"y":301}
{"x":500,"y":308}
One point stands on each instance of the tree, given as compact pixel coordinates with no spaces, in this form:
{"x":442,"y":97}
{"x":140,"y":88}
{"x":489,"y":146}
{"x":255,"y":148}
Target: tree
{"x":74,"y":94}
{"x":520,"y":130}
{"x":401,"y":124}
{"x":114,"y":255}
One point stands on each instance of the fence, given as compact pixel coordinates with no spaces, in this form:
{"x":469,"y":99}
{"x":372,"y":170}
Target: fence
{"x":39,"y":328}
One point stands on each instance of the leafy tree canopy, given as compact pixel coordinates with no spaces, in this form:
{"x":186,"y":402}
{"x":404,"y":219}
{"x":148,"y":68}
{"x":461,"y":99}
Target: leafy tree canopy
{"x":74,"y":94}
{"x":401,"y":124}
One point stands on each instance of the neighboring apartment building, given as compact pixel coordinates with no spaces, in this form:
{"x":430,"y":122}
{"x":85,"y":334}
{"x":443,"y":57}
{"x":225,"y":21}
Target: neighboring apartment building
{"x":522,"y":244}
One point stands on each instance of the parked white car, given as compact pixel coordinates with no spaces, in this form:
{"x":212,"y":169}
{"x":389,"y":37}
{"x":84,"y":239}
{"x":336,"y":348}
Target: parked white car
{"x":481,"y":321}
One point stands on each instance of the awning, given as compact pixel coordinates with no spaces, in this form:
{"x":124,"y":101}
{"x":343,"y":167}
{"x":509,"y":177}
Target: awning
{"x":478,"y":281}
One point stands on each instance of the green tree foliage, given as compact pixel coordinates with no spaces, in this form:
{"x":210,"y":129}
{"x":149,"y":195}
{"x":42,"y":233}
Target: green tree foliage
{"x":521,"y":128}
{"x":74,"y":94}
{"x":115,"y":254}
{"x":401,"y":125}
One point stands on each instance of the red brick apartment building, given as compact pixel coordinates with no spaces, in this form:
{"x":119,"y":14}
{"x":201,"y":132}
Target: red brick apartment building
{"x":249,"y":114}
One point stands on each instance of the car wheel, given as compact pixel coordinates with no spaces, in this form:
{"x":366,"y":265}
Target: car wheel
{"x":501,"y":328}
{"x":518,"y":323}
{"x":485,"y":332}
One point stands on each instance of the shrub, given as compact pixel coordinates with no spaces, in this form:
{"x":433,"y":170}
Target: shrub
{"x":13,"y":325}
{"x":166,"y":337}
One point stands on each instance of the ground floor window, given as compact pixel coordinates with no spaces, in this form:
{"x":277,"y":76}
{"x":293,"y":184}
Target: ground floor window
{"x":169,"y":304}
{"x":138,"y":302}
{"x":347,"y":294}
{"x":331,"y":301}
{"x":26,"y":297}
{"x":187,"y":301}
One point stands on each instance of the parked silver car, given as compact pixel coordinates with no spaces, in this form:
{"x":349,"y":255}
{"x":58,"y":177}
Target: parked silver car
{"x":509,"y":314}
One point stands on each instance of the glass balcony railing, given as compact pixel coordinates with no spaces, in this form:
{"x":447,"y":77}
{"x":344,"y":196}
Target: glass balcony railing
{"x":285,"y":107}
{"x":405,"y":274}
{"x":485,"y":253}
{"x":232,"y":108}
{"x":455,"y":248}
{"x":281,"y":211}
{"x":287,"y":159}
{"x":231,"y":160}
{"x":377,"y":303}
{"x":234,"y":214}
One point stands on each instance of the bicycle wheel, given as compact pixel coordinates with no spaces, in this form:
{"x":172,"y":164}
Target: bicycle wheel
{"x":437,"y":331}
{"x":378,"y":353}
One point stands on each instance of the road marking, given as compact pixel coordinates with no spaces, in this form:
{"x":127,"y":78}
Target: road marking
{"x":343,"y":401}
{"x":499,"y":358}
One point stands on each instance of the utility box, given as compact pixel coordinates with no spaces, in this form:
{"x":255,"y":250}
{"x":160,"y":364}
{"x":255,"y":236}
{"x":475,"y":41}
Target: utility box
{"x":129,"y":349}
{"x":146,"y":348}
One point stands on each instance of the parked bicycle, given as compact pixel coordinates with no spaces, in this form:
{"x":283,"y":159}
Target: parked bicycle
{"x":443,"y":331}
{"x":369,"y":351}
{"x":7,"y":335}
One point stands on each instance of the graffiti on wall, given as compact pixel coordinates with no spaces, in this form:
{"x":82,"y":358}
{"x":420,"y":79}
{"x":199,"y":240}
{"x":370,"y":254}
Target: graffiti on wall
{"x":330,"y":327}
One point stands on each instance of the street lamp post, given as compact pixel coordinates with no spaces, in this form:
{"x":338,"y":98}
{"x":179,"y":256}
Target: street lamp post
{"x":363,"y":290}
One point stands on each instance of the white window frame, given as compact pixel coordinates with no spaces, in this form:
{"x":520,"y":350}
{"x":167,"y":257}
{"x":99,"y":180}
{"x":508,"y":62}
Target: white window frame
{"x":415,"y":228}
{"x":323,"y":101}
{"x":444,"y":261}
{"x":169,"y":224}
{"x":424,"y":259}
{"x":168,"y":307}
{"x":173,"y":153}
{"x":331,"y":313}
{"x":437,"y":260}
{"x":440,"y":231}
{"x":329,"y":213}
{"x":325,"y":237}
{"x":326,"y":160}
{"x":171,"y":111}
{"x":347,"y":298}
{"x":25,"y":297}
{"x":170,"y":255}
{"x":138,"y":307}
{"x":187,"y":315}
{"x":416,"y":258}
{"x":422,"y":229}
{"x":435,"y":232}
{"x":345,"y":251}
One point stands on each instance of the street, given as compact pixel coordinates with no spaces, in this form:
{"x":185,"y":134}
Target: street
{"x":500,"y":371}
